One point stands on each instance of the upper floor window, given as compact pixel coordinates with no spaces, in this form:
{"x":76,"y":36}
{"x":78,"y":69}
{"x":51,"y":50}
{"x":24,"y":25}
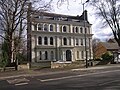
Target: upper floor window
{"x":64,"y":29}
{"x":69,"y":40}
{"x":81,"y":41}
{"x":77,"y":41}
{"x":81,"y":30}
{"x":73,"y":29}
{"x":76,"y":29}
{"x":46,"y":55}
{"x":45,"y":27}
{"x":35,"y":26}
{"x":45,"y":40}
{"x":41,"y":17}
{"x":51,"y":40}
{"x":51,"y":27}
{"x":39,"y":40}
{"x":40,"y":26}
{"x":65,"y":41}
{"x":85,"y":30}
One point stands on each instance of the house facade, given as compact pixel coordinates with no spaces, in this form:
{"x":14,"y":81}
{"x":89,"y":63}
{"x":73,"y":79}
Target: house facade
{"x":60,"y":38}
{"x":109,"y":46}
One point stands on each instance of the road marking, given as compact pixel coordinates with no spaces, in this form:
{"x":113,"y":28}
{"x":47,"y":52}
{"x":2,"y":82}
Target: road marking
{"x":13,"y":81}
{"x":67,"y":77}
{"x":108,"y":82}
{"x":20,"y":84}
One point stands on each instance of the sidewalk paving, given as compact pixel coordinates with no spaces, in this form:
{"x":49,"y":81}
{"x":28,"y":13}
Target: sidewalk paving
{"x":46,"y":71}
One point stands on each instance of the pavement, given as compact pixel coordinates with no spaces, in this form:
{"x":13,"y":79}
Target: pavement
{"x":46,"y":71}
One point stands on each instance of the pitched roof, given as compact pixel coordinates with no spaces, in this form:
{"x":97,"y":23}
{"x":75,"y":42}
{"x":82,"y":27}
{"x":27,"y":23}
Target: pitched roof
{"x":80,"y":18}
{"x":112,"y":40}
{"x":110,"y":46}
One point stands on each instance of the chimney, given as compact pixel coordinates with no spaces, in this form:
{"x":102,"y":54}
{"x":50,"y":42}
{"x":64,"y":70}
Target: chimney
{"x":85,"y":14}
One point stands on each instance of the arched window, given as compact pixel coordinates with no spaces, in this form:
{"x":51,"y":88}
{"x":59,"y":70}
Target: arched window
{"x":85,"y":30}
{"x":40,"y":26}
{"x":40,"y":55}
{"x":64,"y":29}
{"x":51,"y":40}
{"x":69,"y":40}
{"x":51,"y":27}
{"x":73,"y":29}
{"x":65,"y":41}
{"x":77,"y":54}
{"x":76,"y":29}
{"x":45,"y":40}
{"x":52,"y":55}
{"x":35,"y":26}
{"x":81,"y":30}
{"x":82,"y":54}
{"x":39,"y":40}
{"x":45,"y":27}
{"x":81,"y":41}
{"x":77,"y":41}
{"x":46,"y":55}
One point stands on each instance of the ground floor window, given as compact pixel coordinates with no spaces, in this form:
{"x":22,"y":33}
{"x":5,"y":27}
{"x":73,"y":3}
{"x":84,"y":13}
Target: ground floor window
{"x":46,"y":55}
{"x":82,"y":54}
{"x":77,"y":54}
{"x":52,"y":55}
{"x":40,"y":55}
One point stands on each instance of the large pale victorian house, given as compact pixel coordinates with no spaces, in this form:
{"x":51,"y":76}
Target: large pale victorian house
{"x":60,"y":38}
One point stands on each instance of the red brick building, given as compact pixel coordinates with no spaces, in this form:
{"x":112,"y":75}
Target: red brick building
{"x":103,"y":47}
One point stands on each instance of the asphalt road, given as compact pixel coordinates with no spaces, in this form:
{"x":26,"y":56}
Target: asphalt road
{"x":74,"y":80}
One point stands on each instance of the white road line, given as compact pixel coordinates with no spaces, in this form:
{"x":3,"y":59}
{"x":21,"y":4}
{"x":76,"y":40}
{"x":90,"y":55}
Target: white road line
{"x":75,"y":76}
{"x":13,"y":81}
{"x":108,"y":82}
{"x":20,"y":84}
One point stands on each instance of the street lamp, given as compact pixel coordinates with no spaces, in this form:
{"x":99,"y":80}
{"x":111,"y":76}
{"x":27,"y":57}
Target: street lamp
{"x":85,"y":33}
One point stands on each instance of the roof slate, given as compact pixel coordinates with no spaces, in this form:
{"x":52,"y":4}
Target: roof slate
{"x":110,"y":46}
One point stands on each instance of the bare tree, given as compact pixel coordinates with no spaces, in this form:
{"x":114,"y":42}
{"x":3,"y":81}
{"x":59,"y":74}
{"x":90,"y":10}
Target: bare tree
{"x":95,"y":42}
{"x":109,"y":12}
{"x":13,"y":22}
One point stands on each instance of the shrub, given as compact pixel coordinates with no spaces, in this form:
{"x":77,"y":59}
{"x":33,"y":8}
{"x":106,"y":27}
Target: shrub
{"x":107,"y":56}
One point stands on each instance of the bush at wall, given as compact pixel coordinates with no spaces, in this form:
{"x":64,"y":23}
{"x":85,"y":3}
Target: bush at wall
{"x":107,"y":56}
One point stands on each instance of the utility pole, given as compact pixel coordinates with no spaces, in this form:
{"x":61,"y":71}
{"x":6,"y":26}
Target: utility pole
{"x":84,"y":21}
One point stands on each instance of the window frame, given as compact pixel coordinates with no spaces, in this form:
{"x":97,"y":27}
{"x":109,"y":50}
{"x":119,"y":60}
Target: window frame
{"x":45,"y":40}
{"x":64,"y":41}
{"x":64,"y":29}
{"x":46,"y":55}
{"x":76,"y":29}
{"x":77,"y":41}
{"x":39,"y":40}
{"x":51,"y":40}
{"x":40,"y":25}
{"x":40,"y":55}
{"x":45,"y":27}
{"x":51,"y":28}
{"x":82,"y":54}
{"x":81,"y":29}
{"x":78,"y":54}
{"x":52,"y":55}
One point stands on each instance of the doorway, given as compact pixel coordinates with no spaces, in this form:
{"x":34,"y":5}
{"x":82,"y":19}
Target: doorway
{"x":68,"y":55}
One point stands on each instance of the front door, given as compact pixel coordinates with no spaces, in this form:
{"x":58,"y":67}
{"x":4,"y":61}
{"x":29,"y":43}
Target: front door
{"x":68,"y":55}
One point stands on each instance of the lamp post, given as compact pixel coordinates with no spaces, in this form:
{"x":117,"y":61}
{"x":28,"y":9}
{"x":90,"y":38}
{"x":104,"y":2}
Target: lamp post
{"x":84,"y":21}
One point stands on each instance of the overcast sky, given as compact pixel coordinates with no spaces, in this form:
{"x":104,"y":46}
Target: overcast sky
{"x":75,"y":8}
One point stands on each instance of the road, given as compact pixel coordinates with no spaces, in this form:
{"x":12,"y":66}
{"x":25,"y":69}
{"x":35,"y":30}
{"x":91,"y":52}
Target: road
{"x":74,"y":80}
